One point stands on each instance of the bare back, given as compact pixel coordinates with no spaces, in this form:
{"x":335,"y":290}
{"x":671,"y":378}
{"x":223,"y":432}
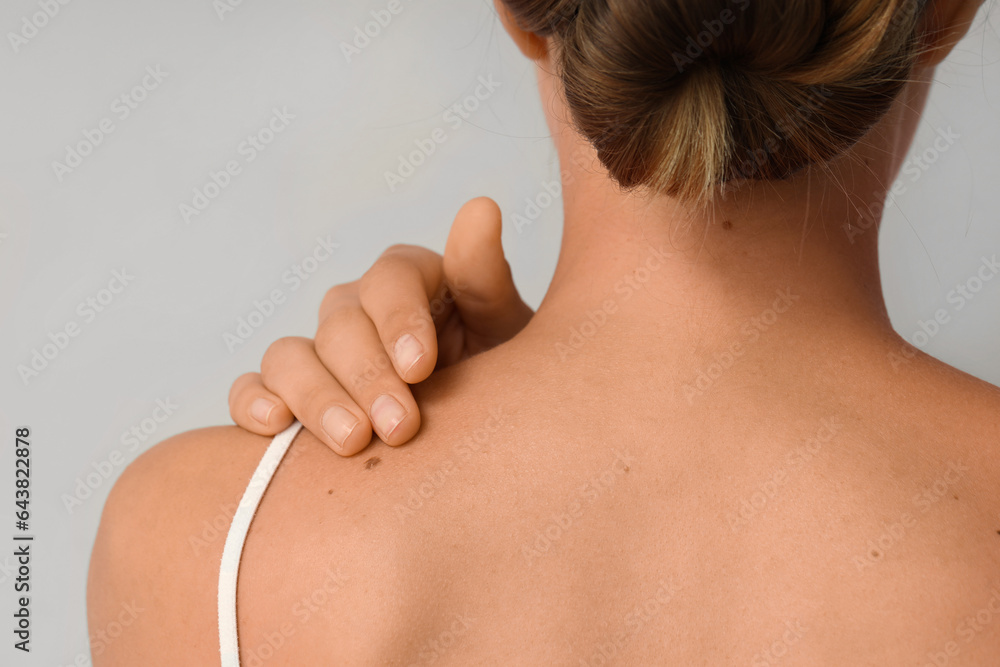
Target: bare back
{"x":582,"y":511}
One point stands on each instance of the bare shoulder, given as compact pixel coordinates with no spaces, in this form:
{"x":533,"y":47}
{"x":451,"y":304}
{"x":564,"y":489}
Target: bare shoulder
{"x":154,"y":568}
{"x":159,"y":546}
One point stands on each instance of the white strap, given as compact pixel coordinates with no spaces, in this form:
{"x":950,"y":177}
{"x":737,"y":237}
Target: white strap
{"x":229,"y":643}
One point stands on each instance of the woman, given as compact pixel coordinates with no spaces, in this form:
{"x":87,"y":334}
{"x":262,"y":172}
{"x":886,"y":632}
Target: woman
{"x":707,"y":447}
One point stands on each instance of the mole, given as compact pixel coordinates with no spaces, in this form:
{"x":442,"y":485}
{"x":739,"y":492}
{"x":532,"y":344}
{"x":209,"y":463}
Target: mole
{"x":330,"y":492}
{"x":727,"y":225}
{"x":372,"y":462}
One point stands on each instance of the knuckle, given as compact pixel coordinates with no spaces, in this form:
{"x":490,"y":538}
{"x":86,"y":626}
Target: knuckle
{"x":379,"y":273}
{"x":398,"y":249}
{"x":396,"y":257}
{"x":370,"y":372}
{"x":341,"y":292}
{"x":315,"y":401}
{"x":280,"y":350}
{"x":421,"y":319}
{"x":337,"y":297}
{"x":338,"y":324}
{"x":241,"y":384}
{"x":402,"y":317}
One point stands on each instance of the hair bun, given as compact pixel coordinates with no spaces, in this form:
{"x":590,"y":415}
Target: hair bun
{"x":683,"y":96}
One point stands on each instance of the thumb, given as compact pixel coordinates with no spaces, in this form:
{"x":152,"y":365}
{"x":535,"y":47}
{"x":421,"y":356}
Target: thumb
{"x":478,"y":275}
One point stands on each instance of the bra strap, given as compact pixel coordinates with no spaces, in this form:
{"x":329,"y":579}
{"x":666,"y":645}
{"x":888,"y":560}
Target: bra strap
{"x":229,"y":645}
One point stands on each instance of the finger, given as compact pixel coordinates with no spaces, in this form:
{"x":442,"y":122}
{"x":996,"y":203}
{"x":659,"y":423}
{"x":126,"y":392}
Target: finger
{"x":479,"y":276}
{"x":291,"y":369}
{"x":350,"y":347}
{"x":402,"y":293}
{"x":255,"y":408}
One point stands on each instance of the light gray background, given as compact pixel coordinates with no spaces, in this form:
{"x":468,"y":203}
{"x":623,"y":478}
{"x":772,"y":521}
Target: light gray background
{"x":162,"y":337}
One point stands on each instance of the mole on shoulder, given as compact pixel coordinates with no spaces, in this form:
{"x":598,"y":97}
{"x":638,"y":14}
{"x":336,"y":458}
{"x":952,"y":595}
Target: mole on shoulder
{"x":372,"y":462}
{"x":727,"y":225}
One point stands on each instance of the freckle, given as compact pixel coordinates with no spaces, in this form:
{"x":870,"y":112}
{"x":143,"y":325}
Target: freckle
{"x":956,"y":497}
{"x":727,"y":225}
{"x":876,"y":554}
{"x":627,"y":468}
{"x":330,"y":492}
{"x":372,"y":462}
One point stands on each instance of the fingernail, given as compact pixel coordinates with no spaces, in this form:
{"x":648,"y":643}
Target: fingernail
{"x":261,"y":410}
{"x":338,"y":424}
{"x":408,"y":351}
{"x":387,"y":413}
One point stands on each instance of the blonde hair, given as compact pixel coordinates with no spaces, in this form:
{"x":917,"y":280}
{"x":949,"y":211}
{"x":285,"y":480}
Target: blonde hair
{"x":685,"y":96}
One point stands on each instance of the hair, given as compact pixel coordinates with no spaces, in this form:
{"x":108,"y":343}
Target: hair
{"x":686,"y":96}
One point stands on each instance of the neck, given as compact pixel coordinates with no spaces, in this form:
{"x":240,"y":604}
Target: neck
{"x":810,"y":243}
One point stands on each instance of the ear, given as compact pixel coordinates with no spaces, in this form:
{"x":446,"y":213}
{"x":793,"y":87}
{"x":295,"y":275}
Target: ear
{"x":945,"y":24}
{"x":531,"y":45}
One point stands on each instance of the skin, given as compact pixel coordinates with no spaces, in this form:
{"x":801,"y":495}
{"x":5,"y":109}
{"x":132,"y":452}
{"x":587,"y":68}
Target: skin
{"x":412,"y":312}
{"x":871,"y":536}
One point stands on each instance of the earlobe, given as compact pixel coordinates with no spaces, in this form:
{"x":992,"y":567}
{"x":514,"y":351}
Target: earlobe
{"x":531,"y":45}
{"x":946,"y":23}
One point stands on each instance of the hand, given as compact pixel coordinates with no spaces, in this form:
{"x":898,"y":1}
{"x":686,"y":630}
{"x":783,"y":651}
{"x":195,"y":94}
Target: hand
{"x":412,"y":312}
